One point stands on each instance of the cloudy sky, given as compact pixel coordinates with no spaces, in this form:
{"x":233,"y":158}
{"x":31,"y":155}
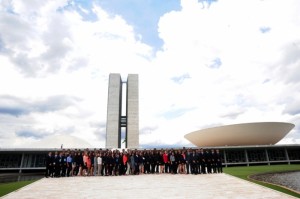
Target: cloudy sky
{"x":201,"y":63}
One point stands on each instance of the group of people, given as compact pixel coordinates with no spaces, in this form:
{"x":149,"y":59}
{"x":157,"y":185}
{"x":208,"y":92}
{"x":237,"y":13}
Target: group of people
{"x":107,"y":162}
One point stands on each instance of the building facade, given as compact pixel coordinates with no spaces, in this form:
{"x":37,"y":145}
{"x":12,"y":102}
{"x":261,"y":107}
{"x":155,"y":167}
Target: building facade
{"x":23,"y":160}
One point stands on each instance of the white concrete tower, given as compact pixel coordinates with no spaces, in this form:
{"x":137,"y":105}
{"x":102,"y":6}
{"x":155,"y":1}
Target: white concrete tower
{"x":132,"y":111}
{"x":115,"y":119}
{"x":114,"y":108}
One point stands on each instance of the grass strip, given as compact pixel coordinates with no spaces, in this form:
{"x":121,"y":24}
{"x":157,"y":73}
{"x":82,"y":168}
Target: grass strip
{"x":6,"y":188}
{"x":244,"y":172}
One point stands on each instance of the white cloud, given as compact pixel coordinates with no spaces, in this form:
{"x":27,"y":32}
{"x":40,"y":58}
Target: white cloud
{"x":46,"y":51}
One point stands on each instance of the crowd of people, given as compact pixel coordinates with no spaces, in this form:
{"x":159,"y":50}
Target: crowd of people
{"x":107,"y":162}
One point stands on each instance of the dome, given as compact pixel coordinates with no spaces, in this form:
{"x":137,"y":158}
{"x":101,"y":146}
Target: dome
{"x":261,"y":133}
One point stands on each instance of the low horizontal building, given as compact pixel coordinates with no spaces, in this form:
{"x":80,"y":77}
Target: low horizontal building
{"x":240,"y":144}
{"x":31,"y":160}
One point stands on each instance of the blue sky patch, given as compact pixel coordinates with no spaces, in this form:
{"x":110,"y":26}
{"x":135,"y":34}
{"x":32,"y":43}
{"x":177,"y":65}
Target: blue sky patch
{"x":30,"y":134}
{"x":208,"y":2}
{"x":84,"y":8}
{"x":216,"y":63}
{"x":12,"y":111}
{"x":180,"y":79}
{"x":176,"y":113}
{"x":142,"y":15}
{"x":264,"y":29}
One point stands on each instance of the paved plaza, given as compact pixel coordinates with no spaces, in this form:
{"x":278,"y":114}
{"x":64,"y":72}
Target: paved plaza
{"x":146,"y":186}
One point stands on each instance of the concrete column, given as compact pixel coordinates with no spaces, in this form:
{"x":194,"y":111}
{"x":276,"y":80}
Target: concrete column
{"x":287,"y":156}
{"x":267,"y":156}
{"x":246,"y":156}
{"x":21,"y":165}
{"x":225,"y":158}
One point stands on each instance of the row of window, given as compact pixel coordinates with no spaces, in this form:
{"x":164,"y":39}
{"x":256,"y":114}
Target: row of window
{"x":261,"y":155}
{"x":29,"y":160}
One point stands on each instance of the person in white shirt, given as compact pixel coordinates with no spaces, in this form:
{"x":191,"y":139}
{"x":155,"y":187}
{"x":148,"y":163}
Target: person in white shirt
{"x":99,"y":163}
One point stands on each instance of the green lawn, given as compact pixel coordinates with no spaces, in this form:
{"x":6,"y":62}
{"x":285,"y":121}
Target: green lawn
{"x":6,"y":188}
{"x":244,"y":172}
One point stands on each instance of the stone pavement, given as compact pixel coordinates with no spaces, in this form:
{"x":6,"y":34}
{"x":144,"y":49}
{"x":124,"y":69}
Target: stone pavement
{"x":146,"y":186}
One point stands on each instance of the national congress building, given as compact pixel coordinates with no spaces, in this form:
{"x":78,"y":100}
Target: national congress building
{"x":240,"y":144}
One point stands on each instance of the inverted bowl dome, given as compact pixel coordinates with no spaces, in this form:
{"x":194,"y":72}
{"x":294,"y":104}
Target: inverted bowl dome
{"x":261,"y":133}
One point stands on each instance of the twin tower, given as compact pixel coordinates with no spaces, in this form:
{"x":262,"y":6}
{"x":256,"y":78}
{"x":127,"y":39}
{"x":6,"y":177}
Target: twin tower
{"x":122,"y":116}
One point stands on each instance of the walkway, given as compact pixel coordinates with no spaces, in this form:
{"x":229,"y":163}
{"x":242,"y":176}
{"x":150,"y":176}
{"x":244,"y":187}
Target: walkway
{"x":146,"y":186}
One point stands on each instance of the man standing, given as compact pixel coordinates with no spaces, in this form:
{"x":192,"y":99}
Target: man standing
{"x":207,"y":156}
{"x":147,"y":163}
{"x":56,"y":165}
{"x":213,"y":161}
{"x":218,"y":161}
{"x":49,"y":165}
{"x":63,"y":162}
{"x":188,"y":161}
{"x":193,"y":159}
{"x":69,"y":164}
{"x":202,"y":161}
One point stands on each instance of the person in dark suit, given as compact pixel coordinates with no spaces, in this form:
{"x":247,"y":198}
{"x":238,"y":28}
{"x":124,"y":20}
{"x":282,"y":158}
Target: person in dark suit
{"x":56,"y":164}
{"x":202,"y":161}
{"x":63,"y":164}
{"x":177,"y":161}
{"x":117,"y":162}
{"x":147,"y":162}
{"x":208,"y":158}
{"x":104,"y":164}
{"x":110,"y":163}
{"x":173,"y":163}
{"x":142,"y":162}
{"x":188,"y":154}
{"x":136,"y":163}
{"x":193,"y":159}
{"x":218,"y":161}
{"x":76,"y":164}
{"x":49,"y":165}
{"x":213,"y":161}
{"x":152,"y":162}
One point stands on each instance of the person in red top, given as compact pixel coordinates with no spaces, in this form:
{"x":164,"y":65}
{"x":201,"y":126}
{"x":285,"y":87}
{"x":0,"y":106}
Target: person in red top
{"x":124,"y":161}
{"x":89,"y":164}
{"x":166,"y":161}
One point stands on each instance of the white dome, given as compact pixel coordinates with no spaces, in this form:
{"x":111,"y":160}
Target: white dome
{"x":261,"y":133}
